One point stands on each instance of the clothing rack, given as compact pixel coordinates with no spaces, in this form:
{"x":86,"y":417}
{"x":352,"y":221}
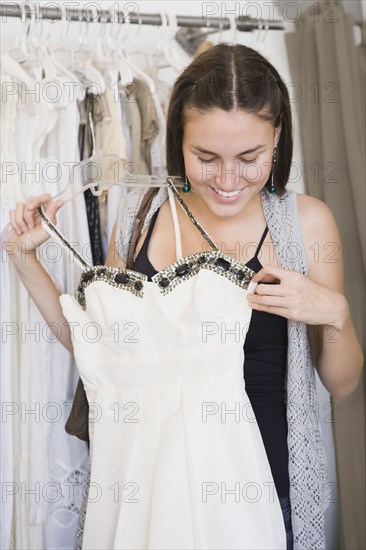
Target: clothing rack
{"x":46,"y":12}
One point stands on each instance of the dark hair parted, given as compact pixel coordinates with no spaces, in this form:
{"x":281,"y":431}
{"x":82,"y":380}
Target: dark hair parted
{"x":227,"y":77}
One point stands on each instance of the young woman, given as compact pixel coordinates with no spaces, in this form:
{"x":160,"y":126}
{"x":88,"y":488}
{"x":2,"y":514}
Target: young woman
{"x":229,"y":136}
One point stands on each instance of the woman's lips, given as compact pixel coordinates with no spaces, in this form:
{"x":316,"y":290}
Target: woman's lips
{"x":225,"y":200}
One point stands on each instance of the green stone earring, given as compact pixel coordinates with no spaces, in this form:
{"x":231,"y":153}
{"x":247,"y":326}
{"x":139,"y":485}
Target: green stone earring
{"x":272,"y":188}
{"x":186,"y":186}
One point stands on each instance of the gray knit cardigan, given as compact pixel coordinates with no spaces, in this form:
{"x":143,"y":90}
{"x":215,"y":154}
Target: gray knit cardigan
{"x":307,"y":459}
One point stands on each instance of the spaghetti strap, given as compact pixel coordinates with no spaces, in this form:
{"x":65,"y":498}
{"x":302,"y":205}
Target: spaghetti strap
{"x":261,"y":241}
{"x":178,"y":242}
{"x":60,"y":239}
{"x":189,"y":214}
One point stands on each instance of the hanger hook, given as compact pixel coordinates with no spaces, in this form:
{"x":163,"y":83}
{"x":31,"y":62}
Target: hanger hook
{"x":259,"y":29}
{"x":266,"y":29}
{"x":221,"y":24}
{"x":233,"y":28}
{"x":126,"y":21}
{"x":139,"y":18}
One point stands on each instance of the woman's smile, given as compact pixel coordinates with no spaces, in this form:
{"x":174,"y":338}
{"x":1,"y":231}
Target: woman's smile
{"x":226,"y":197}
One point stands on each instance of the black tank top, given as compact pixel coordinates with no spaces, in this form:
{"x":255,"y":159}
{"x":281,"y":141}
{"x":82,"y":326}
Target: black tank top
{"x":265,"y":350}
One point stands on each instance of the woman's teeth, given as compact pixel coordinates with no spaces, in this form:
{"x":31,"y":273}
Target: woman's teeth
{"x":227,"y":194}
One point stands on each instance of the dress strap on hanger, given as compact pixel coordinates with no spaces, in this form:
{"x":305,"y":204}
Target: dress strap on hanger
{"x":190,"y":215}
{"x":60,"y":239}
{"x":178,"y":242}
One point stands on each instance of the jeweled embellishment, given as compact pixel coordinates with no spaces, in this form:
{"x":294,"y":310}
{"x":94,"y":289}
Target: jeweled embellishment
{"x":88,"y":276}
{"x":186,"y":267}
{"x":222,"y":264}
{"x":182,"y":270}
{"x":121,"y":278}
{"x":164,"y":282}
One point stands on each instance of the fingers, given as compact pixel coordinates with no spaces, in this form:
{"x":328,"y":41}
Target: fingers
{"x":31,"y":205}
{"x":270,"y":289}
{"x":52,"y":208}
{"x":18,"y":218}
{"x":23,"y":217}
{"x":271,"y":271}
{"x":14,"y":224}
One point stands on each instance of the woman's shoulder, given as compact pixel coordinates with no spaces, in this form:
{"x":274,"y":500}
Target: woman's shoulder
{"x":314,"y":214}
{"x":320,"y":235}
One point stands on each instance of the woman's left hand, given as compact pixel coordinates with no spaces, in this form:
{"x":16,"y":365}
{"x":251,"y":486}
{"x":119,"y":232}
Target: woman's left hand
{"x":297,"y":297}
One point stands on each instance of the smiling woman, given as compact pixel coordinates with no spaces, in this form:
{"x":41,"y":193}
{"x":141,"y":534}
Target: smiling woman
{"x":220,"y":172}
{"x":229,"y":136}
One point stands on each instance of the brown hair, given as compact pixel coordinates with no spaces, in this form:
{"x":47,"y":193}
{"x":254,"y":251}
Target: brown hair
{"x":229,"y":76}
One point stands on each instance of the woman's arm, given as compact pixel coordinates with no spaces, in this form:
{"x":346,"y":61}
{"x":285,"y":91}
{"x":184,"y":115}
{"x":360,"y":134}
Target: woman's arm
{"x":317,"y":300}
{"x":27,"y":233}
{"x":21,"y":251}
{"x":336,"y":352}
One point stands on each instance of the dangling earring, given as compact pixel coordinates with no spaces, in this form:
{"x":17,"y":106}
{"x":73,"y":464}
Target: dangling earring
{"x":186,"y":186}
{"x":272,"y":188}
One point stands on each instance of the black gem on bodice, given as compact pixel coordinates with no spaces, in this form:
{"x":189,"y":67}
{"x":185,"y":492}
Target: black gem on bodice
{"x":222,"y":264}
{"x":202,"y":259}
{"x":164,"y":282}
{"x":138,"y":285}
{"x":240,"y":275}
{"x":182,"y":270}
{"x":122,"y":278}
{"x":101,"y":271}
{"x":88,"y":276}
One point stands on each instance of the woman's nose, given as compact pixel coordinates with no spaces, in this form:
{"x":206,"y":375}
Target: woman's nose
{"x":229,"y":176}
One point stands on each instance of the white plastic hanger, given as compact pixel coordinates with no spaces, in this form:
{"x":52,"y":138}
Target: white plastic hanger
{"x":84,"y":67}
{"x":13,"y":68}
{"x":82,"y":57}
{"x":135,"y":69}
{"x":43,"y":52}
{"x":99,"y":172}
{"x":121,"y":60}
{"x":21,"y":51}
{"x":170,"y":46}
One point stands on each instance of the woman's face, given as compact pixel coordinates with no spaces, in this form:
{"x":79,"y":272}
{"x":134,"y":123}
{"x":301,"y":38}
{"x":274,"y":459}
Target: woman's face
{"x":228,"y":159}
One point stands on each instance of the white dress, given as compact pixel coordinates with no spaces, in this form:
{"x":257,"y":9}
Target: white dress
{"x":176,"y":460}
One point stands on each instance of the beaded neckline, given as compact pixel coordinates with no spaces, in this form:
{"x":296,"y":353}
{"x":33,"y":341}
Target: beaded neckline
{"x":166,"y":279}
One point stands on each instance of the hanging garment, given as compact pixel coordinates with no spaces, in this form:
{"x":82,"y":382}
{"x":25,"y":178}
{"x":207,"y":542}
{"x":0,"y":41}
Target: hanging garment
{"x":38,"y":373}
{"x":149,"y":119}
{"x":140,"y":165}
{"x":171,"y":465}
{"x":96,"y":106}
{"x":264,"y":369}
{"x":307,"y":462}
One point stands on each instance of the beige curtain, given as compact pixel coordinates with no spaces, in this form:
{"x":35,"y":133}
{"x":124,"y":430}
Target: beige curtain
{"x":328,"y":73}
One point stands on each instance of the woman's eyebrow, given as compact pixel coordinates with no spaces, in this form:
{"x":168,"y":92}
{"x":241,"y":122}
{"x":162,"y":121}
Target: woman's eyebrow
{"x":201,"y":150}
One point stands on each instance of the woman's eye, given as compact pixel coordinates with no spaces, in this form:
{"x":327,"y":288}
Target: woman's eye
{"x":248,"y":161}
{"x":205,"y":161}
{"x":211,"y":160}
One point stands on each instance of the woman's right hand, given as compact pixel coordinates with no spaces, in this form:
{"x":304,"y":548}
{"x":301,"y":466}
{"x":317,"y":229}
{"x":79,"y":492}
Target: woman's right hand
{"x":26,"y":221}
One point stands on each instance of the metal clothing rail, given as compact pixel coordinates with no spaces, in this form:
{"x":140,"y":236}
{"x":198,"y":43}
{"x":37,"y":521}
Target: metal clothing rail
{"x":51,"y":12}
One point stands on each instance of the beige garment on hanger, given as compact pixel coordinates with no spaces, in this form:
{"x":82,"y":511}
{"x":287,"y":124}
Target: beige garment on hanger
{"x":149,"y":118}
{"x":129,"y":97}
